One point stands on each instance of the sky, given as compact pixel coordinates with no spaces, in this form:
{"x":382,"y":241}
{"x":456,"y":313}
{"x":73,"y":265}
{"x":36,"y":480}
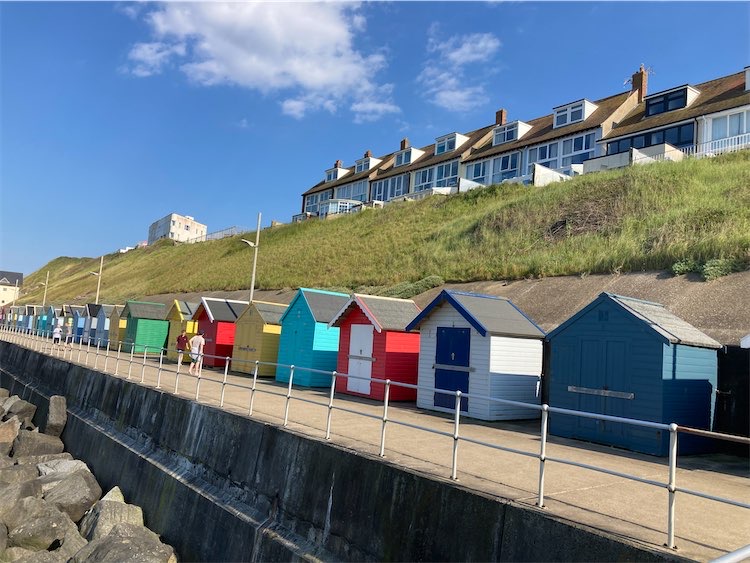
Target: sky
{"x":115,"y":114}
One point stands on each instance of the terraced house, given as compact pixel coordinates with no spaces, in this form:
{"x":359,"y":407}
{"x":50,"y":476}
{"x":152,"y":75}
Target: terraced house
{"x":576,"y":137}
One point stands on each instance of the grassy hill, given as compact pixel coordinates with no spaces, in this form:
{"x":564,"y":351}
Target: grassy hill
{"x":639,"y":218}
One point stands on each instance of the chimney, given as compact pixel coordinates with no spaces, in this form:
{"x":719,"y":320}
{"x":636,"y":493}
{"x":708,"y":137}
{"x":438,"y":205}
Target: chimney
{"x":368,"y":154}
{"x":640,"y":83}
{"x":405,"y":143}
{"x":501,"y":117}
{"x":338,"y":164}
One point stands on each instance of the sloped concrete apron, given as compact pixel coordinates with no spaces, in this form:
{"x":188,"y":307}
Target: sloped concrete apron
{"x":221,"y":487}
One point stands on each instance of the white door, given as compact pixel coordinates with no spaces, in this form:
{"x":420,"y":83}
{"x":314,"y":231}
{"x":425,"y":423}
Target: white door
{"x":360,"y":359}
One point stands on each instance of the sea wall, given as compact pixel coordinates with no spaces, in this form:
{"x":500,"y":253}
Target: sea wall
{"x":222,"y":487}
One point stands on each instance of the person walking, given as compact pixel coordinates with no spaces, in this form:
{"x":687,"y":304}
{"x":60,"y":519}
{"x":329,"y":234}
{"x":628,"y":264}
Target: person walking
{"x":197,"y":343}
{"x":56,"y":335}
{"x":182,"y":343}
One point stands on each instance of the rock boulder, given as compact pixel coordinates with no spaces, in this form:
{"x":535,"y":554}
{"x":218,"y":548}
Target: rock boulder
{"x":36,"y":525}
{"x":126,"y":542}
{"x":108,"y":512}
{"x":57,"y":416}
{"x":23,"y":410}
{"x":34,"y":443}
{"x":75,"y":494}
{"x":8,"y":434}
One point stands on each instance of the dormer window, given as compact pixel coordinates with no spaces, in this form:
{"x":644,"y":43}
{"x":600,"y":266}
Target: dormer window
{"x":366,"y":163}
{"x":670,"y":101}
{"x":336,"y":172}
{"x":573,"y":113}
{"x":404,"y":157}
{"x":449,"y":143}
{"x":331,"y":175}
{"x":509,"y":132}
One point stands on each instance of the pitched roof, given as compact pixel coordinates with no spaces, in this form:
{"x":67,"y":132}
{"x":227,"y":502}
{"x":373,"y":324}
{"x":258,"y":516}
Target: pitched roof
{"x":10,"y":278}
{"x":92,"y":309}
{"x":486,"y":313}
{"x":714,"y":95}
{"x":187,"y":309}
{"x":107,"y":309}
{"x":385,"y":313}
{"x":144,"y":310}
{"x":270,"y":312}
{"x":322,"y":304}
{"x":669,"y":325}
{"x":542,"y":129}
{"x":222,"y":310}
{"x":71,"y":309}
{"x":352,"y":176}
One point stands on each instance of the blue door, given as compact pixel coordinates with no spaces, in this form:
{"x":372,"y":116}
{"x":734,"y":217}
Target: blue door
{"x":452,"y":366}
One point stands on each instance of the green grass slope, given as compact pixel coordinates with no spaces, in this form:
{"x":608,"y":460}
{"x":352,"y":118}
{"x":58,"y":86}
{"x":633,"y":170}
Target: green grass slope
{"x":634,"y":219}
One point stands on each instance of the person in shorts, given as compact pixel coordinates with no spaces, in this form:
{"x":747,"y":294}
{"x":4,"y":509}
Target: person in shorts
{"x":182,"y":344}
{"x":197,"y":343}
{"x":56,"y":335}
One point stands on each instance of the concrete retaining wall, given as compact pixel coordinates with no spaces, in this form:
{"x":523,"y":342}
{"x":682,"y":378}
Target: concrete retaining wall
{"x":221,"y":487}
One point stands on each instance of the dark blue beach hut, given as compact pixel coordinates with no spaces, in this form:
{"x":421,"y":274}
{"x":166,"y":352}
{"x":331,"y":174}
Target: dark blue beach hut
{"x":306,"y":339}
{"x":630,"y":358}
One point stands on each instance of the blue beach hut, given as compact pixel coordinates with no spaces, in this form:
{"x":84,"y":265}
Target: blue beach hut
{"x":630,"y":358}
{"x":79,"y":321}
{"x":481,"y":345}
{"x":91,"y":312}
{"x":307,"y":340}
{"x":102,"y":324}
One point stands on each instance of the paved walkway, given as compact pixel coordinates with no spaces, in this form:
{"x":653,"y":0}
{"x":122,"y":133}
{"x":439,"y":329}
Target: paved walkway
{"x":704,"y":529}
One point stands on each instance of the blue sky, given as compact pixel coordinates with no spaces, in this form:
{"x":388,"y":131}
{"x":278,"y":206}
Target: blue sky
{"x":113,"y":115}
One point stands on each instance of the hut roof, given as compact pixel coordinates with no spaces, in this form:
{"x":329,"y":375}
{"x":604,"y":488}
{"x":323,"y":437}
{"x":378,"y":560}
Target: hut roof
{"x":385,"y":313}
{"x":107,"y":309}
{"x":186,"y":308}
{"x":486,"y":313}
{"x":144,"y":310}
{"x":271,"y":313}
{"x":322,"y":304}
{"x":223,"y":310}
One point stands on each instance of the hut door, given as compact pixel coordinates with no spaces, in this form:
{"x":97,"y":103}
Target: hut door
{"x":452,"y":366}
{"x":360,"y":359}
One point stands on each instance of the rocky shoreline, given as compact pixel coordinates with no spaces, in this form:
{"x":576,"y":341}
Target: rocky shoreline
{"x":51,"y":505}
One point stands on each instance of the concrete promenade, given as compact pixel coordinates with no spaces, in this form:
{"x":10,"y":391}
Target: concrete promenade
{"x":636,"y":512}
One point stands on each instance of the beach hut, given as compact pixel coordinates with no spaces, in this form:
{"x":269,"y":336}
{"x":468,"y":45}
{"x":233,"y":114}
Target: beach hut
{"x":217,"y":318}
{"x":79,"y":321}
{"x":256,"y":337}
{"x":306,"y":339}
{"x":103,"y":316}
{"x":146,"y":328}
{"x":54,"y":317}
{"x":117,"y":326}
{"x":374,"y":345}
{"x":70,"y":315}
{"x":91,"y":315}
{"x":630,"y":358}
{"x":180,"y":317}
{"x":481,"y":345}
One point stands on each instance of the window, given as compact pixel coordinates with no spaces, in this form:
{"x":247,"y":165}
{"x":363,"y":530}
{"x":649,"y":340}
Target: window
{"x":446,"y":175}
{"x":445,"y":144}
{"x":403,"y":157}
{"x":546,"y":155}
{"x":570,"y":114}
{"x":423,"y":179}
{"x":362,"y":165}
{"x":477,"y":172}
{"x":383,"y":190}
{"x":678,"y":136}
{"x":505,"y":167}
{"x":666,"y":102}
{"x":330,"y":176}
{"x":578,"y":149}
{"x":505,"y":134}
{"x":187,"y":227}
{"x":311,"y":203}
{"x":356,"y":191}
{"x":173,"y":222}
{"x":730,"y":125}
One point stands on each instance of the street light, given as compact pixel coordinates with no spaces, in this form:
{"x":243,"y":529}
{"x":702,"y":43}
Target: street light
{"x":254,"y":245}
{"x":45,"y":284}
{"x":99,"y":280}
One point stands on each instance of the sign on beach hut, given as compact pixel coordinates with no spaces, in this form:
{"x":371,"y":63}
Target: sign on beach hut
{"x":256,"y":338}
{"x":217,"y":318}
{"x":180,"y":317}
{"x":631,"y":358}
{"x":306,"y":339}
{"x":481,"y":345}
{"x":146,"y":328}
{"x":374,"y":346}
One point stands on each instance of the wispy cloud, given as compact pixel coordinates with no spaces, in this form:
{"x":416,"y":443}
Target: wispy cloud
{"x":443,"y":78}
{"x":271,"y":48}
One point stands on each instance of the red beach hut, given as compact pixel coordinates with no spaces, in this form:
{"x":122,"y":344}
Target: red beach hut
{"x":216,"y":317}
{"x":374,"y":345}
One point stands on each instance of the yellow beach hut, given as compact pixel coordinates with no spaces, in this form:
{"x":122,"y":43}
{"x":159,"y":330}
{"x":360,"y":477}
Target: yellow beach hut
{"x":180,"y":316}
{"x":256,"y":337}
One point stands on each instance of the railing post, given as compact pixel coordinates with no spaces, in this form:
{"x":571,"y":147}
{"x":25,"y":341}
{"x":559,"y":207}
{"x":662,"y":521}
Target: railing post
{"x":330,"y":405}
{"x":252,"y":389}
{"x":106,"y":356}
{"x":80,"y":347}
{"x":96,"y":356}
{"x":671,"y":487}
{"x":88,"y":349}
{"x":543,"y":453}
{"x":198,"y":384}
{"x":177,"y":378}
{"x":161,"y":364}
{"x":224,"y":382}
{"x":386,"y":398}
{"x":454,"y":470}
{"x":117,"y":358}
{"x":143,"y":366}
{"x":288,"y":396}
{"x":132,"y":353}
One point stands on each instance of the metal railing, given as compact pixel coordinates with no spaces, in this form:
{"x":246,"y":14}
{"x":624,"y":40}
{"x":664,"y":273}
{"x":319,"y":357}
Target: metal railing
{"x":40,"y":342}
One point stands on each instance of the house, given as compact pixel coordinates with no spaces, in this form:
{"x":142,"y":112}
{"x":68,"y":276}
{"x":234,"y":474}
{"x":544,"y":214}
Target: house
{"x":10,"y":284}
{"x":630,"y":358}
{"x":374,"y":346}
{"x":181,"y":228}
{"x":256,"y":338}
{"x":146,"y":330}
{"x":306,"y":339}
{"x":103,"y":316}
{"x":481,"y":345}
{"x":180,"y":317}
{"x":217,"y":318}
{"x":701,"y":120}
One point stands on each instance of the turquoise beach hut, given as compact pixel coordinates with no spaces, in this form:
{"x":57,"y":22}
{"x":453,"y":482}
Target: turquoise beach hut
{"x":306,"y":339}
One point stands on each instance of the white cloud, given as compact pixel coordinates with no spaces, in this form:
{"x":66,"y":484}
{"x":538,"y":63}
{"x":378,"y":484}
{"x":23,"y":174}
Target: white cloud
{"x":271,"y":48}
{"x":443,"y":78}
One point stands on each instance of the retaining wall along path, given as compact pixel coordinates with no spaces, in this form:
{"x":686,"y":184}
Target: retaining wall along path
{"x":222,"y":487}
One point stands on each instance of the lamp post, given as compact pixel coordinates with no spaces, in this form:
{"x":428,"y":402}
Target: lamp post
{"x":254,"y":245}
{"x":99,"y":280}
{"x":45,"y":284}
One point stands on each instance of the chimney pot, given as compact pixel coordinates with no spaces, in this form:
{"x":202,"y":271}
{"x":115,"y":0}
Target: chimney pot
{"x":639,"y":81}
{"x":368,"y":154}
{"x":337,"y":164}
{"x":405,"y":143}
{"x":501,"y":117}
